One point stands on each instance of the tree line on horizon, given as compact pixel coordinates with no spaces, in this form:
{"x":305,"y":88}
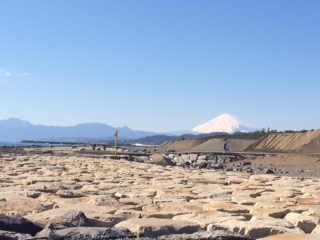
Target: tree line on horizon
{"x":257,"y":134}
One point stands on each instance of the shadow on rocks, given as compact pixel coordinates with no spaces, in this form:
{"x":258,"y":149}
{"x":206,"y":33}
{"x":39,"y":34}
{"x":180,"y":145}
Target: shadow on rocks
{"x":18,"y":224}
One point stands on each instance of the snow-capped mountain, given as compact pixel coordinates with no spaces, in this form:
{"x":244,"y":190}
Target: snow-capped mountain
{"x":224,"y":123}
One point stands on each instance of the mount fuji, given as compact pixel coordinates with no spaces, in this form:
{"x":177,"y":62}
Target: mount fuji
{"x":225,"y":123}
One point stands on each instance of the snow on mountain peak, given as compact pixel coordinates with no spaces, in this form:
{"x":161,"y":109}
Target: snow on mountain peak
{"x":224,"y":123}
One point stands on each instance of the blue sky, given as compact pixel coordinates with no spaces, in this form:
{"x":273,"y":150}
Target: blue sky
{"x":163,"y":65}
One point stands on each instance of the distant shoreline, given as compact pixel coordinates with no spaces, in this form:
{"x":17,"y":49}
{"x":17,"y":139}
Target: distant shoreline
{"x":52,"y":142}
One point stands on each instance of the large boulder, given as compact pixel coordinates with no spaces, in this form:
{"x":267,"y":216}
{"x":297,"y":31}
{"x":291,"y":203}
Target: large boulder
{"x":162,"y":160}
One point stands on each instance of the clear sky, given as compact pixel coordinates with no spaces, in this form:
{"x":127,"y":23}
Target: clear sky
{"x":161,"y":66}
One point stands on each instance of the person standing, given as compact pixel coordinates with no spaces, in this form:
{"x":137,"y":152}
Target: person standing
{"x":226,"y":147}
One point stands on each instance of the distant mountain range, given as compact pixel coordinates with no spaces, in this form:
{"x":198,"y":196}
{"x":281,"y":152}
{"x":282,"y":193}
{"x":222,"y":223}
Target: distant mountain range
{"x":16,"y":130}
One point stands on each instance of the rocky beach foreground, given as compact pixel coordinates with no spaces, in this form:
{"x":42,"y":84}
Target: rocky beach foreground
{"x":70,"y":193}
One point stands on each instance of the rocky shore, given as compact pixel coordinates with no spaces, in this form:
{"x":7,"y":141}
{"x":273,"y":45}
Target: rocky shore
{"x":70,"y":193}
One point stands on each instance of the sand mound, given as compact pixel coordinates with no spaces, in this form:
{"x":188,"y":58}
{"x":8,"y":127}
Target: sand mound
{"x":205,"y":145}
{"x":235,"y":145}
{"x":308,"y":142}
{"x":183,"y":145}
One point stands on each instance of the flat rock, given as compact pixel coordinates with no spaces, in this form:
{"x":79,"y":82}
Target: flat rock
{"x":223,"y":206}
{"x":304,"y":222}
{"x":49,"y":216}
{"x":154,"y":227}
{"x":257,"y":227}
{"x":269,"y":212}
{"x":43,"y":187}
{"x":206,"y":218}
{"x":290,"y":236}
{"x":19,"y":204}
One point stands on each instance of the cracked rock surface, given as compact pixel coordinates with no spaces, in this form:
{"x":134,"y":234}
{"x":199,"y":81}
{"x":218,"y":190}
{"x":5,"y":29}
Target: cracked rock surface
{"x":65,"y":193}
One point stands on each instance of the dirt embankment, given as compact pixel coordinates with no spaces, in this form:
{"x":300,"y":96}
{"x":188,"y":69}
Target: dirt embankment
{"x":183,"y":145}
{"x":216,"y":145}
{"x":308,"y":142}
{"x":207,"y":145}
{"x":302,"y":143}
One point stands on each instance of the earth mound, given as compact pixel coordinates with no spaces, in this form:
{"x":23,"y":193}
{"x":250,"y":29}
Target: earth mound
{"x":207,"y":145}
{"x":307,"y":142}
{"x":183,"y":145}
{"x":216,"y":145}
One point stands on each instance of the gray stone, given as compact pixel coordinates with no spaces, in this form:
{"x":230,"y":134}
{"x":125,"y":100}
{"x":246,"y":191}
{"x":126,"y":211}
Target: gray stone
{"x":269,"y":171}
{"x":85,"y":233}
{"x":68,"y":194}
{"x":7,"y":235}
{"x":72,"y":218}
{"x":212,"y":157}
{"x":203,"y":235}
{"x":202,"y":164}
{"x":33,"y":194}
{"x":246,"y":164}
